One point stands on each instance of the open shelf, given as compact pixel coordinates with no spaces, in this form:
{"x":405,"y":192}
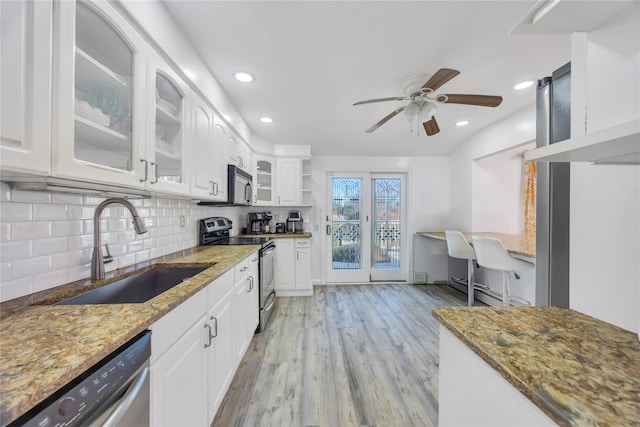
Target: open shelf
{"x":96,"y":135}
{"x":618,"y":144}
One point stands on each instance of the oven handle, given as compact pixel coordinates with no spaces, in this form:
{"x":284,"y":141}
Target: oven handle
{"x":270,"y":306}
{"x":127,"y":399}
{"x":267,"y":250}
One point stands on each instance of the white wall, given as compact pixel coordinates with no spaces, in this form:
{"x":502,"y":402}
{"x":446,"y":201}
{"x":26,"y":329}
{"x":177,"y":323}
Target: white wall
{"x":427,"y":196}
{"x":605,"y":200}
{"x":46,"y":239}
{"x":513,"y":131}
{"x":498,"y":191}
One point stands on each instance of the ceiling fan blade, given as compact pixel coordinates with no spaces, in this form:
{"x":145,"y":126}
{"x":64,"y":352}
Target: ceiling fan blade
{"x":431,"y":127}
{"x":392,"y":98}
{"x":481,"y":100}
{"x":441,"y":76}
{"x":385,"y":119}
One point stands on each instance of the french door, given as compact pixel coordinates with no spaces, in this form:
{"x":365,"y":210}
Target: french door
{"x":365,"y":226}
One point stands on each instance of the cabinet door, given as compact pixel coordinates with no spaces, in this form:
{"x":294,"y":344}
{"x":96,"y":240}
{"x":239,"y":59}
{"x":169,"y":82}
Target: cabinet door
{"x":285,"y":266}
{"x":219,"y":161}
{"x":99,"y":95}
{"x":263,"y":181}
{"x":253,"y":303}
{"x":241,"y":301}
{"x":179,"y":381}
{"x":25,"y":79}
{"x":167,"y":114}
{"x":202,"y":146}
{"x":221,"y":358}
{"x":303,"y":268}
{"x":288,"y":181}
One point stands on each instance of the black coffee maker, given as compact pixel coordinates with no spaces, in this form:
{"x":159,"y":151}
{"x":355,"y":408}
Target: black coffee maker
{"x":258,"y":222}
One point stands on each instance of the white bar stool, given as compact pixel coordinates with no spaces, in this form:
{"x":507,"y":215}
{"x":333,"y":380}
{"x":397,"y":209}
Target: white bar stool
{"x":492,"y":254}
{"x":458,"y":247}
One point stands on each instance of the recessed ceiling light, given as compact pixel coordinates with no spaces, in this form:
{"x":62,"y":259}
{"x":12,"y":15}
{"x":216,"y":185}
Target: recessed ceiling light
{"x":462,"y":123}
{"x":523,"y":85}
{"x":244,"y":77}
{"x":266,"y":119}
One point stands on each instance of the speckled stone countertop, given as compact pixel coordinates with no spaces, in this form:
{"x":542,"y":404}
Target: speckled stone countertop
{"x":303,"y":235}
{"x":577,"y":369}
{"x":44,"y":347}
{"x":516,"y":244}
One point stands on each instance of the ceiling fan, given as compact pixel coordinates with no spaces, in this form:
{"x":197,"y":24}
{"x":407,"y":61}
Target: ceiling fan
{"x":424,"y":101}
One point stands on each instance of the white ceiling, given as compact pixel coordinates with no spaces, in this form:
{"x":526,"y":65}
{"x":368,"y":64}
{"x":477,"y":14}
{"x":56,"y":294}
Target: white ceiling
{"x":314,"y":59}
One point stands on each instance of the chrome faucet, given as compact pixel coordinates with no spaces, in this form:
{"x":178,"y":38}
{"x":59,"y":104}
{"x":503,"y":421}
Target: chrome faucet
{"x":98,"y":261}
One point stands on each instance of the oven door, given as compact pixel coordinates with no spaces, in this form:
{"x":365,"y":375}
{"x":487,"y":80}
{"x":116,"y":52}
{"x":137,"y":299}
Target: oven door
{"x":267,"y":284}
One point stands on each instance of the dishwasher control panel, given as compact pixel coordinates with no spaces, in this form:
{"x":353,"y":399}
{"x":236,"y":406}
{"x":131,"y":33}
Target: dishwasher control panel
{"x":81,"y":400}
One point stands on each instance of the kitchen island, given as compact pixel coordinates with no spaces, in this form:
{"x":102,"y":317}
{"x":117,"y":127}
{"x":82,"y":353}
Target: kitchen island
{"x":536,"y":366}
{"x":43,"y":347}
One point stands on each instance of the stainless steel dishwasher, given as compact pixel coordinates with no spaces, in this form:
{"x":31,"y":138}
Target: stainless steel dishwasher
{"x":114,"y":392}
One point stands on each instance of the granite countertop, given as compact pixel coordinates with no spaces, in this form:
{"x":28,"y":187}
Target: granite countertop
{"x":303,"y":235}
{"x":516,"y":244}
{"x":43,"y":347}
{"x":577,"y":369}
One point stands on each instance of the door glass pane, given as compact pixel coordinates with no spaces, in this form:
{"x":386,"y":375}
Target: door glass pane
{"x":168,"y":130}
{"x":385,"y":245}
{"x":346,"y":251}
{"x":103,"y":92}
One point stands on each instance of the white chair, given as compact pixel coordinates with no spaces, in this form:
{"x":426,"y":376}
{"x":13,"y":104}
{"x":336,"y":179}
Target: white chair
{"x":458,"y":247}
{"x":492,"y":254}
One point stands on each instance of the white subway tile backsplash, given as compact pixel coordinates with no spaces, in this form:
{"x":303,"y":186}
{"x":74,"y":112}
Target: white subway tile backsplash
{"x":16,"y":288}
{"x":46,"y":239}
{"x":67,"y":199}
{"x":66,"y":228}
{"x":31,"y":230}
{"x":30,"y":266}
{"x":12,"y":212}
{"x":43,"y":211}
{"x":5,"y":231}
{"x":49,"y":246}
{"x":15,"y":250}
{"x":48,"y":280}
{"x":30,"y":196}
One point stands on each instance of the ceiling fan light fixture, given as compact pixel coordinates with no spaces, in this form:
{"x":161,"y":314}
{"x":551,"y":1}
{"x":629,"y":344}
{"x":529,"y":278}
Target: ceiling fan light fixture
{"x":462,"y":123}
{"x":523,"y":85}
{"x":244,"y":77}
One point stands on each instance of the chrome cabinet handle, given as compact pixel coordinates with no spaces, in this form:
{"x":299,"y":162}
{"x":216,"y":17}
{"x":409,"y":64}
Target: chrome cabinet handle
{"x":146,"y":170}
{"x":215,"y":326}
{"x":207,"y":326}
{"x":250,"y":284}
{"x":328,"y":230}
{"x":212,"y":192}
{"x":155,"y":173}
{"x":244,"y":269}
{"x":215,"y":189}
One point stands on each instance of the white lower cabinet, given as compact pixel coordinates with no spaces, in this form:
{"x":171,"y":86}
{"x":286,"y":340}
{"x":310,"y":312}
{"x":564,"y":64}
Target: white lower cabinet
{"x":196,"y":348}
{"x":293,"y":267}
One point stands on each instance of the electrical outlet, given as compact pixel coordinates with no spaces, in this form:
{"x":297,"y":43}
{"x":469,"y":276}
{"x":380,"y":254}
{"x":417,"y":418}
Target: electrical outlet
{"x":183,"y":221}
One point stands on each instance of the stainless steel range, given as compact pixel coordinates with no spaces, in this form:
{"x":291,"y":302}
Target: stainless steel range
{"x":217,"y":231}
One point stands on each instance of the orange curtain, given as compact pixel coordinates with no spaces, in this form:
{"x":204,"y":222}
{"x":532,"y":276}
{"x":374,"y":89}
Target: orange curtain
{"x":530,"y":199}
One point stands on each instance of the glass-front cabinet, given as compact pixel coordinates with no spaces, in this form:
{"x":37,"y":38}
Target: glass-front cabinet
{"x":166,"y":149}
{"x":263,"y":181}
{"x":99,"y":90}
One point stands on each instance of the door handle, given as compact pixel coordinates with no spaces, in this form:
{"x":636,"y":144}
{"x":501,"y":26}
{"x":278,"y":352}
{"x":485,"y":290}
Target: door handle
{"x":215,"y":324}
{"x":155,"y":173}
{"x":146,"y":170}
{"x":328,"y":229}
{"x":206,"y":326}
{"x":212,"y":192}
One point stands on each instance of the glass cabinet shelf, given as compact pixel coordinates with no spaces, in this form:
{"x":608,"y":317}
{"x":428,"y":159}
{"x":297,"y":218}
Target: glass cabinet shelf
{"x":90,"y":72}
{"x":100,"y":136}
{"x":164,"y":115}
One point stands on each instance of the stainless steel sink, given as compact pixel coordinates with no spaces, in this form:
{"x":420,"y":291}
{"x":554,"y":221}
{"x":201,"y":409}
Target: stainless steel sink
{"x":137,"y":288}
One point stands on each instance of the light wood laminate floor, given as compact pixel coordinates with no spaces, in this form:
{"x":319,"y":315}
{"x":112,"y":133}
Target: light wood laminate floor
{"x":352,"y":355}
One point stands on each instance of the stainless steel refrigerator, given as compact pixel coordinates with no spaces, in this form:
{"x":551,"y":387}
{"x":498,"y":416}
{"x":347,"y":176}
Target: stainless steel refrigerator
{"x":553,"y":124}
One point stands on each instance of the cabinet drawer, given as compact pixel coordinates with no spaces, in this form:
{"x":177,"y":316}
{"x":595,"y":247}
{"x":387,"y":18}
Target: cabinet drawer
{"x":219,"y":288}
{"x":253,"y":260}
{"x":242,"y":268}
{"x":303,"y":243}
{"x":168,"y":329}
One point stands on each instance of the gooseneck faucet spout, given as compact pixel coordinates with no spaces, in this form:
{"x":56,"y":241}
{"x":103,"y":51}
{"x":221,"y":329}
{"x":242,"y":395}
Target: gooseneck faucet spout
{"x":98,"y":261}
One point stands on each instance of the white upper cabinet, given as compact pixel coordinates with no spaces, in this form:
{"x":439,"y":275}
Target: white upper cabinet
{"x":289,"y":181}
{"x":201,"y":138}
{"x":219,"y":160}
{"x":263,"y":181}
{"x":99,"y":95}
{"x":167,"y":151}
{"x":25,"y":79}
{"x":239,"y":153}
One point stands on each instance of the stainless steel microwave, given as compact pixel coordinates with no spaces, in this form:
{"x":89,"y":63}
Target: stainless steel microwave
{"x":239,"y":191}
